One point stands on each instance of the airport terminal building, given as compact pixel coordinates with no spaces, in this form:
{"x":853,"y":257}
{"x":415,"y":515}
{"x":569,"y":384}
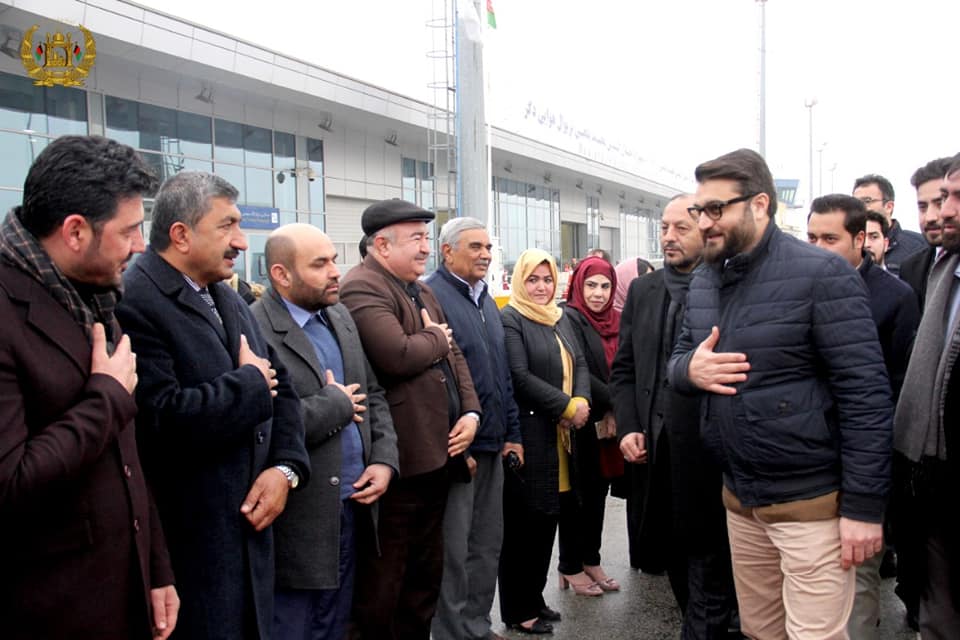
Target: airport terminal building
{"x":301,"y":143}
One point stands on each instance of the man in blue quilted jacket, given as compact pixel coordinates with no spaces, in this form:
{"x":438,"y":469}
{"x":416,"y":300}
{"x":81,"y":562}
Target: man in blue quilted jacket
{"x":779,"y":341}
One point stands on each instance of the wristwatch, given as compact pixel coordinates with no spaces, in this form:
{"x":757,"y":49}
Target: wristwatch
{"x":291,"y":475}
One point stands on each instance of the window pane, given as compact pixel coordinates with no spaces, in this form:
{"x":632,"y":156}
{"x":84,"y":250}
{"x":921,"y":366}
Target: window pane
{"x":9,"y":200}
{"x":257,"y":146}
{"x":285,"y":190}
{"x":53,"y":110}
{"x":315,"y":186}
{"x":229,"y":139}
{"x":19,"y":152}
{"x":234,"y":175}
{"x":284,"y":150}
{"x":122,"y":121}
{"x":196,"y":138}
{"x":259,"y":187}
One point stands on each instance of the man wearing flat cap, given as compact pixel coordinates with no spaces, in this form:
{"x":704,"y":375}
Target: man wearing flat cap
{"x":435,"y":413}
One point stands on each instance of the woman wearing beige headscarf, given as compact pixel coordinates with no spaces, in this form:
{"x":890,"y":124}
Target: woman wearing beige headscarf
{"x":551,"y":385}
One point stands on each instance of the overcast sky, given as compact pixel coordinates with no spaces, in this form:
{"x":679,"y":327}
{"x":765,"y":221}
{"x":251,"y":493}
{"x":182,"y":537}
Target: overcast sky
{"x":677,"y":81}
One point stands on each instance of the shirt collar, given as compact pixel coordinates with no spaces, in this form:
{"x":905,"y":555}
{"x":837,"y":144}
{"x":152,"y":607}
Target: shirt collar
{"x":191,"y":282}
{"x":300,"y":315}
{"x":476,"y":290}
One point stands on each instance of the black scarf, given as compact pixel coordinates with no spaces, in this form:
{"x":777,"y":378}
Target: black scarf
{"x":20,"y":249}
{"x":677,"y":284}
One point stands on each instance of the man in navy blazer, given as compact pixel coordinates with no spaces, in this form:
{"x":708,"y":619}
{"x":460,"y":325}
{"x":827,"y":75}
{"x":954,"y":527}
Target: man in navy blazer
{"x":219,"y":423}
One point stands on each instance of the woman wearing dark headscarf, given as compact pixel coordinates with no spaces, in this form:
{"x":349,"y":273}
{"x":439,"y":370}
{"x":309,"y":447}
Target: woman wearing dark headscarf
{"x":596,"y":324}
{"x":552,"y":388}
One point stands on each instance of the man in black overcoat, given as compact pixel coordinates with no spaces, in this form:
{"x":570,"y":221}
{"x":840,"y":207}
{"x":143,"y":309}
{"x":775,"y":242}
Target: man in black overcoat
{"x":675,"y":516}
{"x":219,"y":422}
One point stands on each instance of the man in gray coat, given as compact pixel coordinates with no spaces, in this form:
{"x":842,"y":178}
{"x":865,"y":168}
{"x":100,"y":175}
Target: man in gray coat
{"x":350,"y":436}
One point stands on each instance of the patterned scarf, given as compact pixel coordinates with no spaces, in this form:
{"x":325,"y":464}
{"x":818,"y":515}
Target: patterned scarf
{"x":20,"y":249}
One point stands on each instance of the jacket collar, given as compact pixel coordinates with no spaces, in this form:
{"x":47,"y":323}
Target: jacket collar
{"x":739,"y":265}
{"x":48,"y":316}
{"x":295,"y":338}
{"x":461,"y":285}
{"x":172,"y":284}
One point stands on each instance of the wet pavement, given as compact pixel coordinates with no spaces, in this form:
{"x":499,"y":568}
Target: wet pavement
{"x":644,"y":608}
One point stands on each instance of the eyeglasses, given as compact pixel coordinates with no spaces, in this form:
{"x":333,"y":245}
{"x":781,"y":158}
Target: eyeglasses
{"x":869,"y":201}
{"x":714,"y":210}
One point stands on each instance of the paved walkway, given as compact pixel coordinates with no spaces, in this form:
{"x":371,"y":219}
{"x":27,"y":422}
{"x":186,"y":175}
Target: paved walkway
{"x":644,"y":609}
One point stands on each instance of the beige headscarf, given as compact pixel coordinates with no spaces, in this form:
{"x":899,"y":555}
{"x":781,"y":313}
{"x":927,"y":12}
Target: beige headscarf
{"x":548,"y":314}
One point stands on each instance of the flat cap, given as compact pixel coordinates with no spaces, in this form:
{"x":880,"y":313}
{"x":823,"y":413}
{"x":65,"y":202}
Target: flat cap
{"x":387,"y":212}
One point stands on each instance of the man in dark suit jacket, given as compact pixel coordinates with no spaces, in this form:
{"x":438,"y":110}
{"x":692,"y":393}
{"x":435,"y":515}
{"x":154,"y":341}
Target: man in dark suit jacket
{"x":435,"y":413}
{"x":915,"y":270}
{"x":675,"y":515}
{"x":219,"y":423}
{"x":81,"y":546}
{"x":350,"y":436}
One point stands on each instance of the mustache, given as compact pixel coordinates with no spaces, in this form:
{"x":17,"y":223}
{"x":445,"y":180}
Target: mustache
{"x":672,"y":246}
{"x":231,"y":254}
{"x":932,"y":226}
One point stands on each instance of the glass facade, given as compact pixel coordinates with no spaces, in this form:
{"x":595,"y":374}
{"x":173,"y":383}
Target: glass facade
{"x":527,"y":216}
{"x":639,"y":234}
{"x":260,"y":162}
{"x":417,"y":182}
{"x":593,"y":222}
{"x":30,"y":117}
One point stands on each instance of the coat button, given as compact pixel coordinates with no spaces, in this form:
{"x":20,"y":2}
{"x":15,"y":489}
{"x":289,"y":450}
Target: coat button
{"x":127,"y":471}
{"x":335,"y":481}
{"x":136,"y":525}
{"x":261,"y":436}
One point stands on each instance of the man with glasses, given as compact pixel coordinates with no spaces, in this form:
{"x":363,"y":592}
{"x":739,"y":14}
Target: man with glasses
{"x":876,"y":194}
{"x":779,"y":343}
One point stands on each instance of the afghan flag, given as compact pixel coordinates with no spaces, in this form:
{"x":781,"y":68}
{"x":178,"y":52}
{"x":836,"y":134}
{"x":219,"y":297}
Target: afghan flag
{"x":491,"y":16}
{"x":38,"y":53}
{"x":77,"y":53}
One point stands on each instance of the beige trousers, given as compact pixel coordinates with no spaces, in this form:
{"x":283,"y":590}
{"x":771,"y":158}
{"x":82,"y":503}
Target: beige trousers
{"x":788,"y":578}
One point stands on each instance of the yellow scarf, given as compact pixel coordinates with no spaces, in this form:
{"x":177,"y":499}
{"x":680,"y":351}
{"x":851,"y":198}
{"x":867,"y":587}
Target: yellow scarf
{"x":548,"y":314}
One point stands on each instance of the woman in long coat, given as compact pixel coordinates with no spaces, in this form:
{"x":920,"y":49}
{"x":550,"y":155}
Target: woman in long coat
{"x":552,"y":388}
{"x":596,"y":325}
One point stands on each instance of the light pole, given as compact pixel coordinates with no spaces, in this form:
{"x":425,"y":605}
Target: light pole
{"x":820,"y":166}
{"x":810,"y":103}
{"x":763,"y":77}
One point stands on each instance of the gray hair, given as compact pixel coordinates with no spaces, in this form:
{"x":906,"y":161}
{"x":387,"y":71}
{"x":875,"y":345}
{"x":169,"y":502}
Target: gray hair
{"x":452,"y":230}
{"x":185,"y":197}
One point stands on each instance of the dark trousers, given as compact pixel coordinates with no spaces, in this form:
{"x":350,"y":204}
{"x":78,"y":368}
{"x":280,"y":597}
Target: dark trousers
{"x":581,"y":525}
{"x":711,"y":597}
{"x":320,"y":614}
{"x":396,"y":593}
{"x":528,"y":537}
{"x":939,"y":612}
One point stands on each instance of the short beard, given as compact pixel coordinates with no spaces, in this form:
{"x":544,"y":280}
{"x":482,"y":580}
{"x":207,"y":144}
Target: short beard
{"x":736,"y":240}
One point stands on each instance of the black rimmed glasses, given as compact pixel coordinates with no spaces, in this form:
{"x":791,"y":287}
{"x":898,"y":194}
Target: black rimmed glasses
{"x":714,"y":210}
{"x":869,"y":201}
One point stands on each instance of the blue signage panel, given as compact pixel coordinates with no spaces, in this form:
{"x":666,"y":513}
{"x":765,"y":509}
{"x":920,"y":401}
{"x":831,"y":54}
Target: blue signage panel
{"x":259,"y":217}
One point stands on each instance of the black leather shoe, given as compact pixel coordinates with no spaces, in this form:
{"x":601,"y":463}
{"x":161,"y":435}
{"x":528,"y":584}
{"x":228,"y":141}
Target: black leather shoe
{"x":538,"y":627}
{"x":550,"y":615}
